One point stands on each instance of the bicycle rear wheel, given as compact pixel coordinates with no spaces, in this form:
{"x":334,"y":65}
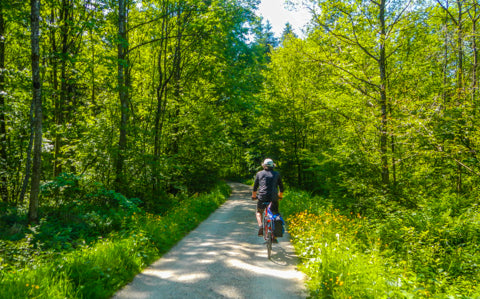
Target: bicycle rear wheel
{"x":269,"y":244}
{"x":267,"y":235}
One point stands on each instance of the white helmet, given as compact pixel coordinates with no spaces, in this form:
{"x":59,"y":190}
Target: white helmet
{"x":268,"y":163}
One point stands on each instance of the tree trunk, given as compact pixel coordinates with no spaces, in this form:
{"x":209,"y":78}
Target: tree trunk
{"x":161,"y":92}
{"x":159,"y":119}
{"x":445,"y":64}
{"x":460,"y":85}
{"x":394,"y":167}
{"x":475,"y":59}
{"x":460,"y":50}
{"x":92,"y":70}
{"x":122,"y":67}
{"x":28,"y":164}
{"x":177,"y":71}
{"x":56,"y":99}
{"x":3,"y":130}
{"x":37,"y":104}
{"x":383,"y":99}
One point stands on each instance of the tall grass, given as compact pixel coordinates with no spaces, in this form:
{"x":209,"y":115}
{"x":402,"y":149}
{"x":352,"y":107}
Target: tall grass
{"x":347,"y":255}
{"x":98,"y":271}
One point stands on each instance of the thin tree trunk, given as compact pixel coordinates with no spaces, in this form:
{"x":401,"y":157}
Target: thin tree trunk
{"x":383,"y":99}
{"x":160,"y":90}
{"x":177,"y":70}
{"x":37,"y":100}
{"x":475,"y":58}
{"x":460,"y":85}
{"x":92,"y":66}
{"x":159,"y":118}
{"x":445,"y":67}
{"x":460,"y":50}
{"x":28,"y":165}
{"x":459,"y":179}
{"x":164,"y":78}
{"x":121,"y":50}
{"x":3,"y":130}
{"x":56,"y":99}
{"x":66,"y":20}
{"x":60,"y":109}
{"x":460,"y":89}
{"x":394,"y":167}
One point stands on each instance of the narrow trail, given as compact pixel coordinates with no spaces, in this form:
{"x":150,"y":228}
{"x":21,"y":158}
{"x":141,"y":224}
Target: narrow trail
{"x":223,"y":258}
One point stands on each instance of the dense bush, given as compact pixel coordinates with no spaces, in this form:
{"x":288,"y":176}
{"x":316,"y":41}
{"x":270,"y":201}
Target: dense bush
{"x":73,"y":213}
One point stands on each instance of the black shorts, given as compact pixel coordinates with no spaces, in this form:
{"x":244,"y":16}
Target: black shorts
{"x":262,"y":205}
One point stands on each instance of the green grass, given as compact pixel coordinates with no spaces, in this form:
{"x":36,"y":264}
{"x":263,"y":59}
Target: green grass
{"x":100,"y":269}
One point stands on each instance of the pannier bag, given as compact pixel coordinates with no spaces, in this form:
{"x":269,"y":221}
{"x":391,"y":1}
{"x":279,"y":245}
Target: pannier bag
{"x":278,"y":226}
{"x":278,"y":223}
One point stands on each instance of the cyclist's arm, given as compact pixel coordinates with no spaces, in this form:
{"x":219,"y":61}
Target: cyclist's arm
{"x":255,"y":187}
{"x":280,"y":188}
{"x":256,"y":183}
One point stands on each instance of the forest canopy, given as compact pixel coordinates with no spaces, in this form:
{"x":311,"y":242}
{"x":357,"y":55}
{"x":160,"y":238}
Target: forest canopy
{"x":149,"y":98}
{"x":143,"y":97}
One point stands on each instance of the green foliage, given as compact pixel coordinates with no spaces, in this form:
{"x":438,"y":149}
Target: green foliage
{"x":65,"y":185}
{"x":98,"y":269}
{"x":338,"y":115}
{"x":190,"y":86}
{"x":407,"y":254}
{"x":73,"y":214}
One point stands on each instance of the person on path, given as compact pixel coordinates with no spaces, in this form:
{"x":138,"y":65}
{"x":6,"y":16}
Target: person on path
{"x":267,"y":188}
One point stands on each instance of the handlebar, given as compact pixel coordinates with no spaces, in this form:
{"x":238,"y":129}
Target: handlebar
{"x":255,"y":198}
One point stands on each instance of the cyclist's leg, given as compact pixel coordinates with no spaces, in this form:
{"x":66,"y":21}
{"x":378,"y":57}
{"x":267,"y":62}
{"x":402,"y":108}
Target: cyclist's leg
{"x":258,"y":215}
{"x":261,"y":206}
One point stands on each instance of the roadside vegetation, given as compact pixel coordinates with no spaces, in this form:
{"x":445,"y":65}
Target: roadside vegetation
{"x":92,"y":243}
{"x":427,"y":253}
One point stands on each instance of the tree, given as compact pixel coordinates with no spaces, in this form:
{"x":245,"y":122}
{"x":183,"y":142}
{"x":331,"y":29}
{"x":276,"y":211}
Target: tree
{"x":359,"y":51}
{"x":3,"y":131}
{"x":37,"y":105}
{"x":122,"y":52}
{"x":288,"y":32}
{"x":67,"y":26}
{"x":474,"y":14}
{"x":127,"y":102}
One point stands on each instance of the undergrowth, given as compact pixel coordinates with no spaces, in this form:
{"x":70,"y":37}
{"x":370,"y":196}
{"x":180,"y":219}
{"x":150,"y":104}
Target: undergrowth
{"x":423,"y":253}
{"x":96,"y":269}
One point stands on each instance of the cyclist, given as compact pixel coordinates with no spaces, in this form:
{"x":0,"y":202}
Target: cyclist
{"x":268,"y":188}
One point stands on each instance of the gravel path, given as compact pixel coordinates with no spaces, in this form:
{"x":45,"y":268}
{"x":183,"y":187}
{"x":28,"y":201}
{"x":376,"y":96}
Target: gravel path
{"x":223,"y":258}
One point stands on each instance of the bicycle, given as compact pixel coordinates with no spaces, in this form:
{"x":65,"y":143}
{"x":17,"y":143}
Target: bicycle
{"x":268,"y":235}
{"x":267,"y":225}
{"x":271,"y":227}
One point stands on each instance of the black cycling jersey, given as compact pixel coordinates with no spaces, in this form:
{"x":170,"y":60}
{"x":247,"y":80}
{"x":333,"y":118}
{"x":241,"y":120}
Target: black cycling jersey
{"x":267,"y":184}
